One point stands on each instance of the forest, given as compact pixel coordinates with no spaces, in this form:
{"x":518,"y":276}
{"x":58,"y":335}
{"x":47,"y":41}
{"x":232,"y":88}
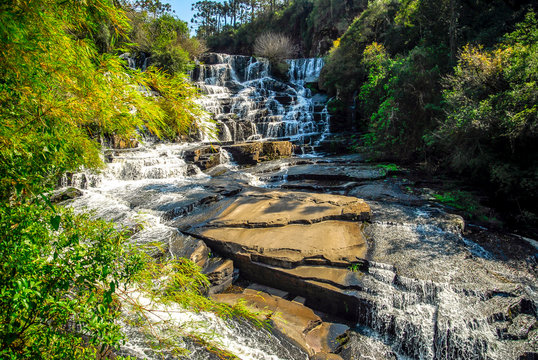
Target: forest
{"x":446,"y":86}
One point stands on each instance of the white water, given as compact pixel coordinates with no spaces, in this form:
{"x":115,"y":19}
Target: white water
{"x":143,"y":189}
{"x":248,"y":104}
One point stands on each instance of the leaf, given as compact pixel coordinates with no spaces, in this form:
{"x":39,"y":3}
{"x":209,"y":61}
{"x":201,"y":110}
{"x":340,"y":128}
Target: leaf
{"x":55,"y":222}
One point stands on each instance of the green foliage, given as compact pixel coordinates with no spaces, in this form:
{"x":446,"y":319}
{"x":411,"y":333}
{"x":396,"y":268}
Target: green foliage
{"x":58,"y":95}
{"x":165,"y":42}
{"x":492,"y":116}
{"x":400,"y":98}
{"x":59,"y":276}
{"x":388,"y":168}
{"x":460,"y":200}
{"x":417,"y":93}
{"x":354,"y":267}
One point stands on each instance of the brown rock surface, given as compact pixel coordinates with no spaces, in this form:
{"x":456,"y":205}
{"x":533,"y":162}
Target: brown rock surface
{"x":305,"y":244}
{"x":288,"y":228}
{"x":295,"y":321}
{"x":278,"y":208}
{"x":253,"y":153}
{"x":219,"y":273}
{"x":290,"y":245}
{"x":205,"y":157}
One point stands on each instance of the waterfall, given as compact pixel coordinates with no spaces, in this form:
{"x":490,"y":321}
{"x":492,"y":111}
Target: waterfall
{"x":142,"y":189}
{"x":249,"y":104}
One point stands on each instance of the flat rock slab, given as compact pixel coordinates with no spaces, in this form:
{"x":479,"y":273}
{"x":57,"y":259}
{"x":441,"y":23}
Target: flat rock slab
{"x":279,"y":208}
{"x":335,"y":172}
{"x":304,"y":244}
{"x":286,"y":228}
{"x":292,"y":244}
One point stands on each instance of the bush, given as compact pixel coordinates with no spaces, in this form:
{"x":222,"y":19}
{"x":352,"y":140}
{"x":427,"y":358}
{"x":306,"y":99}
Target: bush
{"x":275,"y":47}
{"x":59,"y":273}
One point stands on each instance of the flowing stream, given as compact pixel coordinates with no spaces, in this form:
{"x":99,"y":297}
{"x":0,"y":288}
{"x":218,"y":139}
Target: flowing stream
{"x":429,"y":292}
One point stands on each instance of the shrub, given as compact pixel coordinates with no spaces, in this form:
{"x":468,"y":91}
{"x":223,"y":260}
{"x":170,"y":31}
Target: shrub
{"x":275,"y":47}
{"x":59,"y":273}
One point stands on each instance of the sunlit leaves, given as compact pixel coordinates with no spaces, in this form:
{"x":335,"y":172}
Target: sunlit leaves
{"x":58,"y":91}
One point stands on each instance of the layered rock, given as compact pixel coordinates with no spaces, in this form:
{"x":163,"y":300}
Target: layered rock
{"x":308,"y":244}
{"x":292,"y":320}
{"x":205,"y":157}
{"x":253,"y":153}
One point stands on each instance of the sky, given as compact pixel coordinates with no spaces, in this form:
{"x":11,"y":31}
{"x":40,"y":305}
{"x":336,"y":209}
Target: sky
{"x":182,"y":9}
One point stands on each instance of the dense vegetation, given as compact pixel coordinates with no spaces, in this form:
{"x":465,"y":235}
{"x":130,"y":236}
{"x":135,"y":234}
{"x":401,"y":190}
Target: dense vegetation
{"x":450,"y":84}
{"x":312,"y":24}
{"x":63,"y":91}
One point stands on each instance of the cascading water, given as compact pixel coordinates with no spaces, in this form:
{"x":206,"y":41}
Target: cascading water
{"x":249,"y":104}
{"x":143,"y":189}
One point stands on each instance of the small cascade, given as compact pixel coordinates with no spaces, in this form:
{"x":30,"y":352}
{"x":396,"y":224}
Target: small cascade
{"x":248,"y":104}
{"x":138,"y":62}
{"x":144,"y":189}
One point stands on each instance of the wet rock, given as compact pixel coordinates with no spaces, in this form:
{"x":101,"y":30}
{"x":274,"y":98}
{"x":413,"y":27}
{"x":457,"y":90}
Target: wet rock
{"x":205,"y":157}
{"x":529,"y":356}
{"x":253,"y":153}
{"x":522,"y":306}
{"x":65,"y":194}
{"x":181,"y":246}
{"x":219,"y":273}
{"x":184,"y":206}
{"x":384,"y":191}
{"x":277,"y":149}
{"x":324,"y":338}
{"x":246,"y":154}
{"x":292,"y":320}
{"x":319,"y":185}
{"x":355,"y":346}
{"x":334,"y":172}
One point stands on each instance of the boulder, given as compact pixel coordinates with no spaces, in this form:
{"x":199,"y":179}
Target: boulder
{"x":253,"y":153}
{"x":205,"y":157}
{"x":65,"y":194}
{"x":277,"y":149}
{"x":246,"y":154}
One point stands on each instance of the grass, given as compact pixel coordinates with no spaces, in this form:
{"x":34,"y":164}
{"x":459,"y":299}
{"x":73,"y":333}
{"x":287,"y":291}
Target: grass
{"x":460,"y":200}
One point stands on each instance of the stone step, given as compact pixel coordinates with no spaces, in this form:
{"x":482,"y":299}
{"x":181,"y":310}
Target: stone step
{"x":267,"y":289}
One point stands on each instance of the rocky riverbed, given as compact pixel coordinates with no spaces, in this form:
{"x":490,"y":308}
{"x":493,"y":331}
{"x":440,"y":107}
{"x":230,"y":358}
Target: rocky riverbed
{"x":344,"y":259}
